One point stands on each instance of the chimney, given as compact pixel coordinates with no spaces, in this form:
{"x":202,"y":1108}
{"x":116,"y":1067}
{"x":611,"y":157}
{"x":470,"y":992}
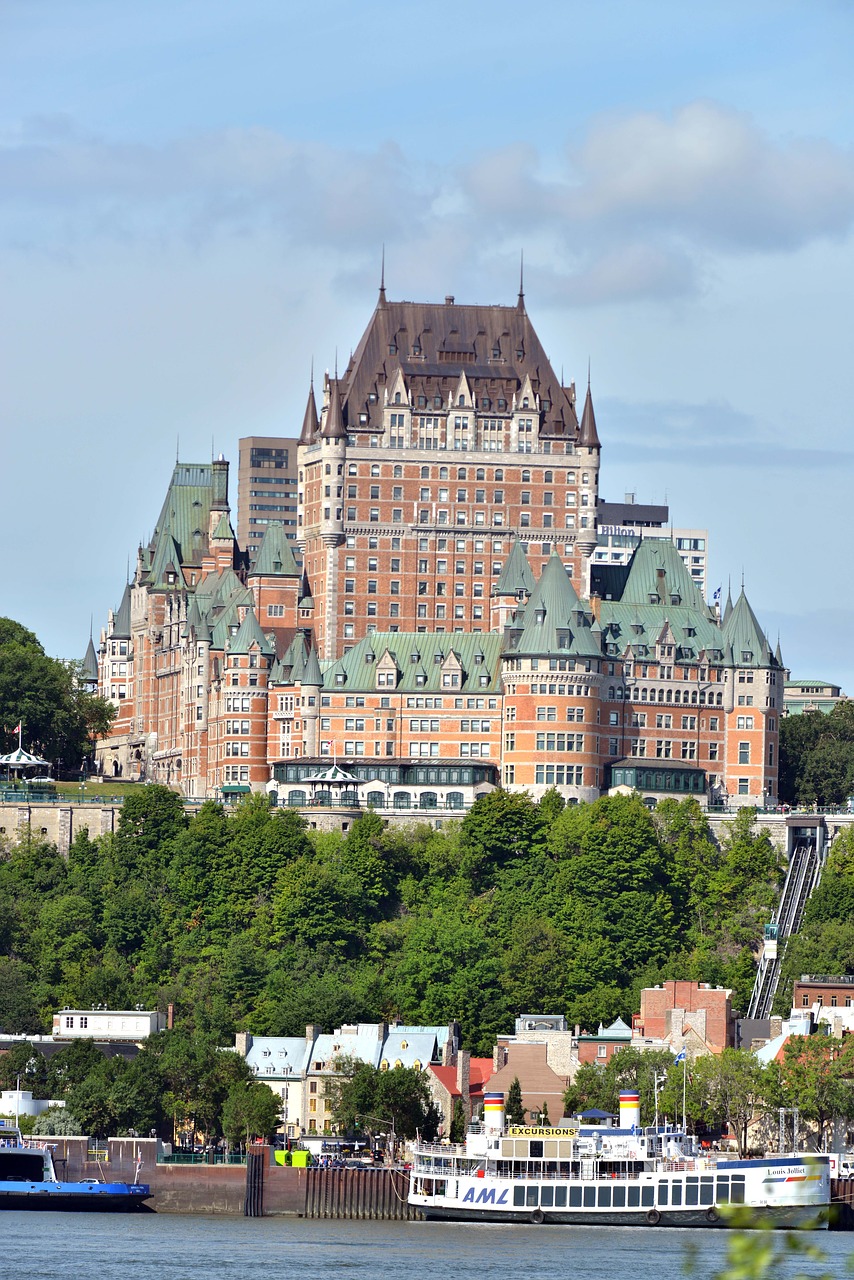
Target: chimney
{"x":312,"y":1031}
{"x":449,"y":299}
{"x":464,"y":1079}
{"x":170,"y":1016}
{"x":243,"y":1042}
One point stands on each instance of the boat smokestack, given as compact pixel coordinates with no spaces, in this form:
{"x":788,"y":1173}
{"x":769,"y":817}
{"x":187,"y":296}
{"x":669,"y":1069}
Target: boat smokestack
{"x":629,"y":1109}
{"x":493,"y":1112}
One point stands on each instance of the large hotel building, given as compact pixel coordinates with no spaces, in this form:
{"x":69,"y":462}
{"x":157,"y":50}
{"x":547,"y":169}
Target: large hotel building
{"x":431,"y":620}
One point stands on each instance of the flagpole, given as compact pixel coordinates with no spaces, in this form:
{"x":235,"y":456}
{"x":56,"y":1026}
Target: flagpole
{"x":684,"y":1092}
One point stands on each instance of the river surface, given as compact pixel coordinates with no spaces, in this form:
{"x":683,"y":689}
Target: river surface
{"x":67,"y":1246}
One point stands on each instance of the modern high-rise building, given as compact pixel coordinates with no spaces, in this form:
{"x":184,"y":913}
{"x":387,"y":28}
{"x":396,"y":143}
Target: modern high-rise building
{"x":621,"y":525}
{"x":266,"y":489}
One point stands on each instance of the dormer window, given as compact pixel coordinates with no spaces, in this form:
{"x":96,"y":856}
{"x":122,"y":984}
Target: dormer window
{"x":496,"y":352}
{"x":654,"y":597}
{"x":525,"y":403}
{"x":340,"y":678}
{"x":397,"y":397}
{"x":540,"y":615}
{"x":675,"y":598}
{"x":392,"y":348}
{"x":461,"y":402}
{"x":372,"y":397}
{"x":747,"y":656}
{"x":421,"y":679}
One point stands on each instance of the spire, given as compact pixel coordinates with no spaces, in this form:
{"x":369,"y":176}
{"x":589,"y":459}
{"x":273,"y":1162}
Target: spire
{"x":333,"y":428}
{"x":778,"y":654}
{"x":381,"y":301}
{"x":728,"y":605}
{"x":588,"y":435}
{"x":520,"y":303}
{"x":90,"y":663}
{"x":309,"y":422}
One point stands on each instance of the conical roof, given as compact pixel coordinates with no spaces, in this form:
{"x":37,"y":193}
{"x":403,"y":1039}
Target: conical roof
{"x":311,"y":674}
{"x":588,"y":436}
{"x":309,"y":422}
{"x":121,"y":619}
{"x":743,"y":632}
{"x":333,"y":428}
{"x":516,"y":574}
{"x":90,"y":662}
{"x":275,"y":559}
{"x":224,"y":529}
{"x":555,"y":620}
{"x":250,"y":634}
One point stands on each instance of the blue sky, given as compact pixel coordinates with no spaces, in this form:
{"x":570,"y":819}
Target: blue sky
{"x":194,"y":196}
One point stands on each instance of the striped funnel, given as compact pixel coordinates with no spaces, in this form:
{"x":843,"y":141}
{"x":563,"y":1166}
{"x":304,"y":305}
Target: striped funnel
{"x":493,"y":1112}
{"x":629,"y":1108}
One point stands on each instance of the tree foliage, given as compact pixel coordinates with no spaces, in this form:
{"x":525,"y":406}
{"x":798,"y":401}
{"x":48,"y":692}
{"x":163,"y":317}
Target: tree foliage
{"x":817,"y":757}
{"x":61,"y":719}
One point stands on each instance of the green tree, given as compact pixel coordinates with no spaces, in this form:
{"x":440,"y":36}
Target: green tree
{"x":250,"y":1111}
{"x":56,"y":1122}
{"x":458,"y":1122}
{"x":499,"y":827}
{"x":382,"y":1101}
{"x":514,"y":1111}
{"x":59,"y":716}
{"x":733,"y":1089}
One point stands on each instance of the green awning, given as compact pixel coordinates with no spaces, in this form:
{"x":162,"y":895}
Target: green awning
{"x":234,"y":789}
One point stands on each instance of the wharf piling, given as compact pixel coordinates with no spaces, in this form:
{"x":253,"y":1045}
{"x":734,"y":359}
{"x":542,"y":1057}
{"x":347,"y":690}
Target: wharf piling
{"x":358,"y":1193}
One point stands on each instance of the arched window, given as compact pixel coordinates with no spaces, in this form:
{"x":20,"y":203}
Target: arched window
{"x":376,"y":800}
{"x":428,"y":800}
{"x":296,"y":799}
{"x":402,"y":800}
{"x":454,"y":800}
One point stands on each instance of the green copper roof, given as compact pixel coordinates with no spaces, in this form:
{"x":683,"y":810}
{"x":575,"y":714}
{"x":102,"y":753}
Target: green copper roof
{"x":422,"y":661}
{"x":186,"y":509}
{"x":657,"y":569}
{"x":121,"y":619}
{"x":90,"y":662}
{"x":249,"y":635}
{"x":555,"y":620}
{"x":275,"y":557}
{"x":516,"y":574}
{"x":311,"y":671}
{"x":224,"y":530}
{"x":750,"y":647}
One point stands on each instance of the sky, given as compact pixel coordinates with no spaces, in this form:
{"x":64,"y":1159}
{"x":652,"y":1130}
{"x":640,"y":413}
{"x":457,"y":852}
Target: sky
{"x":195,"y":196}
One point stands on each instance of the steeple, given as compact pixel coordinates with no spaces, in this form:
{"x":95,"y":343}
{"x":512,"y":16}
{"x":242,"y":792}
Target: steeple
{"x":588,"y":436}
{"x":520,"y":302}
{"x":309,"y":422}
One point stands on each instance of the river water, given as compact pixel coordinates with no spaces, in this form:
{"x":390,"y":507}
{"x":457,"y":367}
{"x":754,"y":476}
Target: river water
{"x":57,"y":1246}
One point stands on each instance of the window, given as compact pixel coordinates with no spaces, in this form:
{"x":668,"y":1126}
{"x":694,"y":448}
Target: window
{"x":744,"y":722}
{"x":744,"y":753}
{"x":744,"y":786}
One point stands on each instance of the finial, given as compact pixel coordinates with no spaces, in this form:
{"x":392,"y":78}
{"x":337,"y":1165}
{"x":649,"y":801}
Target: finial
{"x":92,"y":623}
{"x":336,"y":364}
{"x":178,"y":447}
{"x":381,"y":301}
{"x":521,"y":273}
{"x":588,"y":373}
{"x":311,"y":377}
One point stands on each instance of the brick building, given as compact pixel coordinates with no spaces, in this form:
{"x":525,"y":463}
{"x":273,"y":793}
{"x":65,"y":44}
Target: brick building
{"x":693,"y":1014}
{"x":447,"y":630}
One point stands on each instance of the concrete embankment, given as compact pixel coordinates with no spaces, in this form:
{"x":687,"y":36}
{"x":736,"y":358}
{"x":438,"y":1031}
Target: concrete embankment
{"x":259,"y":1188}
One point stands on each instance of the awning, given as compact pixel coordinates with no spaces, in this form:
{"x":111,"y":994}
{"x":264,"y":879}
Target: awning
{"x":234,"y":789}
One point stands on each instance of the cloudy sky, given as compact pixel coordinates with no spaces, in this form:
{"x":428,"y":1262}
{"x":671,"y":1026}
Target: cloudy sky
{"x":194,"y":195}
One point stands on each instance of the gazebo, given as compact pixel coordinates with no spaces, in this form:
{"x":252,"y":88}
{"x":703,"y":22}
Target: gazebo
{"x":20,"y":759}
{"x":334,"y":786}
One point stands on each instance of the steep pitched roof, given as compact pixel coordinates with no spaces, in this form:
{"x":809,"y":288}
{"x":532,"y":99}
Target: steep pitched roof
{"x":250,"y":634}
{"x":432,"y":344}
{"x":186,"y":509}
{"x":310,"y":422}
{"x":555,"y":620}
{"x":90,"y":662}
{"x":121,"y":619}
{"x":311,"y":674}
{"x":427,"y":655}
{"x":743,"y":632}
{"x":516,"y":574}
{"x":333,"y":425}
{"x":657,"y":569}
{"x":275,"y":559}
{"x":588,"y":435}
{"x":223,"y":529}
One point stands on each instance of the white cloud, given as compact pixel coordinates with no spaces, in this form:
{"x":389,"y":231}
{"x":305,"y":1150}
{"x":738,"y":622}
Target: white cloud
{"x":638,"y":209}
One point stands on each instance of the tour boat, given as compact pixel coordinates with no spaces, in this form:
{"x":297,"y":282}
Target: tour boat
{"x":28,"y":1181}
{"x":608,"y":1175}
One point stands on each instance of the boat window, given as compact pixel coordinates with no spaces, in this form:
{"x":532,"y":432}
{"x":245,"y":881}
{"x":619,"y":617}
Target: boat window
{"x":722,"y":1196}
{"x":662,"y":1193}
{"x":634,"y":1197}
{"x":676,"y":1193}
{"x":604,"y":1197}
{"x":692,"y":1191}
{"x":575,"y":1197}
{"x":619,"y":1197}
{"x":736,"y":1194}
{"x":589,"y":1197}
{"x":707,"y":1191}
{"x":647,"y":1197}
{"x":536,"y":1149}
{"x":546,"y":1197}
{"x":560,"y":1197}
{"x":519,"y":1197}
{"x":531,"y":1194}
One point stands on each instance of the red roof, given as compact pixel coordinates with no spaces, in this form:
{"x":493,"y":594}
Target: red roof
{"x":480,"y":1069}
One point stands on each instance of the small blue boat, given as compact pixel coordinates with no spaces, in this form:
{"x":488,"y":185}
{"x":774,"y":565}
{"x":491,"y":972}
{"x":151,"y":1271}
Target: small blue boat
{"x":28,"y":1181}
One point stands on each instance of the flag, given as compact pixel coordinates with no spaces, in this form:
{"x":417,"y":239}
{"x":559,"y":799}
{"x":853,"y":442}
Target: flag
{"x":17,"y":728}
{"x":716,"y":596}
{"x":681,"y":1056}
